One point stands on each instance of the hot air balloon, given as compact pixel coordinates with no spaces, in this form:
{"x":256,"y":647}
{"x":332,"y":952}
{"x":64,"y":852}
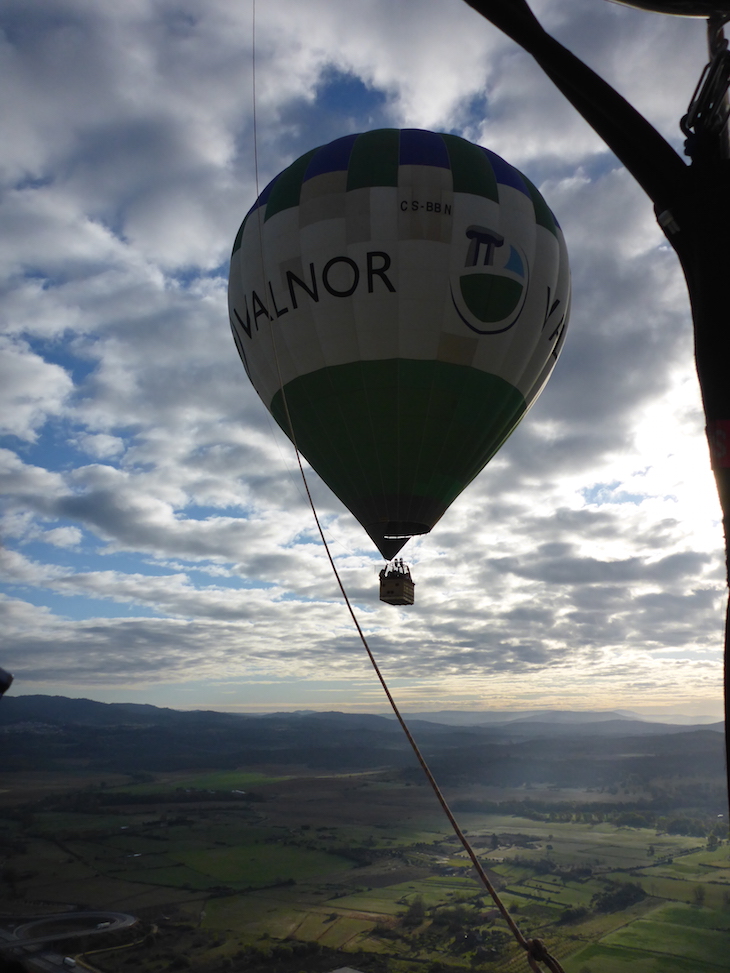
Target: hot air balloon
{"x":398,"y":299}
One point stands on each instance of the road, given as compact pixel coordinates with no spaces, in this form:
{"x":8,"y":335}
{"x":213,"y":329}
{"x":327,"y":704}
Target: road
{"x":50,"y":929}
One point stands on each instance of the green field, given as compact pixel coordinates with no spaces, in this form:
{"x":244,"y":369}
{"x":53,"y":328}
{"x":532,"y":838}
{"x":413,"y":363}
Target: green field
{"x":667,"y":939}
{"x":216,"y":781}
{"x":359,"y":865}
{"x":254,"y":865}
{"x":55,"y":823}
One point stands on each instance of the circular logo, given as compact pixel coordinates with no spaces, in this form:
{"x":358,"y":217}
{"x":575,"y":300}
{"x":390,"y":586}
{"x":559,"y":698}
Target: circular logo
{"x":489,"y":292}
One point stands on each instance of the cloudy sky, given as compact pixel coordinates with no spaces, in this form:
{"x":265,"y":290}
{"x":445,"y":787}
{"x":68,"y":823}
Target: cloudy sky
{"x":156,"y":544}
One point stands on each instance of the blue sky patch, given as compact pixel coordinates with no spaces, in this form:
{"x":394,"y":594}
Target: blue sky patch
{"x":606,"y":493}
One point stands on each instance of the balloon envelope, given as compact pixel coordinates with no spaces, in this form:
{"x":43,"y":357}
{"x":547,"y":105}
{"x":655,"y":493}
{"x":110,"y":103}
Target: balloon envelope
{"x":399,"y":299}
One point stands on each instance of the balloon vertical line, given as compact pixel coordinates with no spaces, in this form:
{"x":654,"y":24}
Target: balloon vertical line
{"x":373,"y":431}
{"x":402,"y":433}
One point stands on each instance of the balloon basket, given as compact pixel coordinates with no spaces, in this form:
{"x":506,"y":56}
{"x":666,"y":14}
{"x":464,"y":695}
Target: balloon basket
{"x":397,"y":587}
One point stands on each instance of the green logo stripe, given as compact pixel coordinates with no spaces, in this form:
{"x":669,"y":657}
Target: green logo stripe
{"x":374,"y":159}
{"x":470,"y":168}
{"x":287,"y":188}
{"x":543,"y":213}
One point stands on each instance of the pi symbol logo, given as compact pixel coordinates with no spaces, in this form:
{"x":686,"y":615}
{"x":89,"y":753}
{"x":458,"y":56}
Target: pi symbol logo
{"x":490,"y":291}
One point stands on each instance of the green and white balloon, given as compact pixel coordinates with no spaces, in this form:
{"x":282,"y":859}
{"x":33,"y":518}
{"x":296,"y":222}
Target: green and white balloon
{"x":400,"y":298}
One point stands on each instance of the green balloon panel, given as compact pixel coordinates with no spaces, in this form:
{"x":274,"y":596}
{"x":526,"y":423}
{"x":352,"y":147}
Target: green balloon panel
{"x":397,"y":441}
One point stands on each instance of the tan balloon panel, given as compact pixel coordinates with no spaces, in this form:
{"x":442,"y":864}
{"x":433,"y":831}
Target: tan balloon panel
{"x":404,"y":295}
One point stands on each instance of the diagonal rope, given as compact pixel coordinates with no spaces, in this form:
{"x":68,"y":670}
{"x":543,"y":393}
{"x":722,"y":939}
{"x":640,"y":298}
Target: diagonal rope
{"x":535,"y":948}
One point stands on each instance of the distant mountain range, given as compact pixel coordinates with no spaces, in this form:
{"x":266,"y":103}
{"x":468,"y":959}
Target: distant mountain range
{"x":61,"y":709}
{"x":483,"y":717}
{"x":551,"y":748}
{"x":519,"y":723}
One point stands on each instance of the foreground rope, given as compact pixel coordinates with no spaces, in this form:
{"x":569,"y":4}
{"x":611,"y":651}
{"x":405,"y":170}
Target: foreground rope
{"x":535,"y":948}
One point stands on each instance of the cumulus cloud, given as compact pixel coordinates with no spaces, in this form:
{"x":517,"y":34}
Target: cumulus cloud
{"x":101,"y":445}
{"x":31,"y":390}
{"x":63,"y":536}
